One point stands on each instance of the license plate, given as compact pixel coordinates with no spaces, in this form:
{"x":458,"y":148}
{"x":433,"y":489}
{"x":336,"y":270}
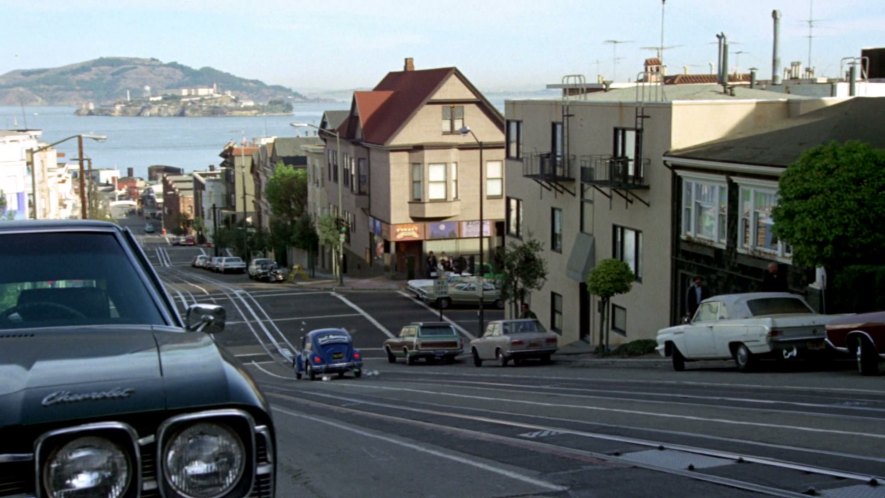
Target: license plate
{"x":815,"y":346}
{"x":534,"y":344}
{"x":337,"y":356}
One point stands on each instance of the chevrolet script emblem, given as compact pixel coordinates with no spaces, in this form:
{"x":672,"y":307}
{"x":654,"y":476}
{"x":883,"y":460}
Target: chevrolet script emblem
{"x":60,"y":397}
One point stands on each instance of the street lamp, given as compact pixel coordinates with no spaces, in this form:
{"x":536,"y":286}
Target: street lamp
{"x":464,"y":131}
{"x":79,"y":137}
{"x":340,"y":258}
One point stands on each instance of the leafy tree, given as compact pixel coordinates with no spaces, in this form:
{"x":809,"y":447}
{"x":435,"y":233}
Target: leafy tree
{"x":609,"y":278}
{"x":831,"y":206}
{"x":523,"y":270}
{"x":327,"y":231}
{"x":286,"y":192}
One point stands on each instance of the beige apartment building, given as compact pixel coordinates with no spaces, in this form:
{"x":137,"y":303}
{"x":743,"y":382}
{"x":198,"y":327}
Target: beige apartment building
{"x":409,"y":175}
{"x":585,"y":176}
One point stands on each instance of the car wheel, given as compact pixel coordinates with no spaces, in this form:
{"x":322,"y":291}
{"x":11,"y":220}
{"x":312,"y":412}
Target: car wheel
{"x":867,"y":359}
{"x":499,"y":303}
{"x":444,"y":303}
{"x":390,"y":357}
{"x":357,"y":373}
{"x":678,"y":360}
{"x":298,"y":375}
{"x":744,"y":358}
{"x":477,"y":361}
{"x":502,"y":359}
{"x":410,"y":360}
{"x":546,"y":358}
{"x":310,"y":373}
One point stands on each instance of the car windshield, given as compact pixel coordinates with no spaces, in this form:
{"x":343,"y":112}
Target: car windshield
{"x":436,"y":331}
{"x":778,"y":306}
{"x":64,"y":279}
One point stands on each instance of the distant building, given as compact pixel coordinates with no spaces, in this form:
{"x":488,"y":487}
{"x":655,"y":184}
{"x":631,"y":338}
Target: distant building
{"x":408,"y":179}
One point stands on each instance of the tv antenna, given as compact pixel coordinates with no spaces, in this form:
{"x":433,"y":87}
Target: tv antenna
{"x":614,"y":44}
{"x":811,"y":23}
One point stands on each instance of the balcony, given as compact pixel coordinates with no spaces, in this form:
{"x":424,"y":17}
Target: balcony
{"x":551,"y":171}
{"x":434,"y":209}
{"x":620,"y":175}
{"x":615,"y":172}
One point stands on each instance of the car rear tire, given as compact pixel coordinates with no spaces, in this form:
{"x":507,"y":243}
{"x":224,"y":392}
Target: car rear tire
{"x":477,"y":361}
{"x":310,"y":373}
{"x":499,"y":303}
{"x":410,"y":360}
{"x":357,"y":373}
{"x":867,"y":359}
{"x":390,"y":356}
{"x":678,"y":360}
{"x":502,"y":359}
{"x":744,"y":358}
{"x":298,"y":375}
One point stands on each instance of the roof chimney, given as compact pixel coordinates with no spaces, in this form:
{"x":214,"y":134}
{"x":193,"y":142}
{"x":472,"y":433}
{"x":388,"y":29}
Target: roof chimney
{"x":776,"y":53}
{"x":410,"y":64}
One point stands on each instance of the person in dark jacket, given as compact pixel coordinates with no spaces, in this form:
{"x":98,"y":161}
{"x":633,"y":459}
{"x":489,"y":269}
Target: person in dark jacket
{"x":696,"y":293}
{"x":773,"y":280}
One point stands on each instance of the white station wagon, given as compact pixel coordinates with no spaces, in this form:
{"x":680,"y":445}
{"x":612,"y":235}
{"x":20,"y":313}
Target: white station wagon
{"x":745,"y":327}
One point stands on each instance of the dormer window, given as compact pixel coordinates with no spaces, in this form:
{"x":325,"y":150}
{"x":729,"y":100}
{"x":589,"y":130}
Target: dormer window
{"x":452,"y":118}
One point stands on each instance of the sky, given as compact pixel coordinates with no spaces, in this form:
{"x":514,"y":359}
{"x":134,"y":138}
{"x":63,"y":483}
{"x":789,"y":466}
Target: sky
{"x":499,"y":45}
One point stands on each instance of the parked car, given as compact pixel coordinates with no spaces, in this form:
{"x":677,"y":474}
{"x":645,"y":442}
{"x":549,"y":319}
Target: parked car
{"x":200,"y":261}
{"x":272,"y":273}
{"x":327,"y":351}
{"x":105,"y":390}
{"x":232,"y":264}
{"x":746,"y":327}
{"x":420,"y":286}
{"x":862,"y":336}
{"x":214,"y":263}
{"x":258,"y":265}
{"x":428,"y":340}
{"x":465,"y":292}
{"x":516,"y":340}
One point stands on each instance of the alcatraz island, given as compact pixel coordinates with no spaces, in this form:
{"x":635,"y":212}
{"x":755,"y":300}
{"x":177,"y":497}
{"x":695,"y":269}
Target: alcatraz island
{"x":187,"y":102}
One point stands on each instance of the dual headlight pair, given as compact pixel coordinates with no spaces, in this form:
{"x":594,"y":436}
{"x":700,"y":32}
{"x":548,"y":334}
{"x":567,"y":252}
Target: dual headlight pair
{"x":201,"y":460}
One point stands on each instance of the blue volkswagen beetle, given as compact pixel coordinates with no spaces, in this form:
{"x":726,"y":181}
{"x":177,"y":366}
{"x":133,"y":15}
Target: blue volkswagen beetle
{"x":326,"y":351}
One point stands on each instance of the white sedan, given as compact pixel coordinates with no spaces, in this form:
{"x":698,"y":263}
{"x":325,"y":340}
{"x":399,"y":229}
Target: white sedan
{"x":745,"y":327}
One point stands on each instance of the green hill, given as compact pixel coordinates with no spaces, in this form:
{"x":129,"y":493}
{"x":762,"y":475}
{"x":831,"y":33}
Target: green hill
{"x":114,"y":79}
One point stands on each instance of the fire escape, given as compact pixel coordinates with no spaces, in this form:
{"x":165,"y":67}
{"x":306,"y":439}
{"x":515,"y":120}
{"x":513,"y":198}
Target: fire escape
{"x":555,"y":170}
{"x":623,"y":173}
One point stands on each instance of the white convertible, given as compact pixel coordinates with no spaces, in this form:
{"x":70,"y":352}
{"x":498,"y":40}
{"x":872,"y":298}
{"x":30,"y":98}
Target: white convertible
{"x":745,"y":327}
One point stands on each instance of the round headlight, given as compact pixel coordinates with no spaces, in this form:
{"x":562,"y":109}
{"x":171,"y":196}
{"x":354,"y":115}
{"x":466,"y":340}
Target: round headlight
{"x":85,"y":467}
{"x":204,"y":460}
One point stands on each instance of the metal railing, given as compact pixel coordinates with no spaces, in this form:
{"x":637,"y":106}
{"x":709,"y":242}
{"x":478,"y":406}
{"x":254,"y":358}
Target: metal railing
{"x":549,"y":166}
{"x":616,"y":172}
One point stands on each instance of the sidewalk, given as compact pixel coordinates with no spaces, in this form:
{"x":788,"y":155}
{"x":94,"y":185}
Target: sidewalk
{"x":326,"y":281}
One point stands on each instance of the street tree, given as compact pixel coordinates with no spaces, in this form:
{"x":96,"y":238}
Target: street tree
{"x":609,"y":278}
{"x":523,"y":270}
{"x":831,"y":206}
{"x":286,"y":193}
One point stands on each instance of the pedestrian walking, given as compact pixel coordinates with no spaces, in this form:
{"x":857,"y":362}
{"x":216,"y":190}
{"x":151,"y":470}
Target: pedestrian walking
{"x":696,"y":293}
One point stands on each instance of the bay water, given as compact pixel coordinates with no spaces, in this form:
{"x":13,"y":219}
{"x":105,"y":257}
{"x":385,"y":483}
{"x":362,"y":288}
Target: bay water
{"x":190,"y":143}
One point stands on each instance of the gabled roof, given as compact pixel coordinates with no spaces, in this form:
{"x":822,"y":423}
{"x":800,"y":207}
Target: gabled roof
{"x":383,"y":111}
{"x":859,"y":118}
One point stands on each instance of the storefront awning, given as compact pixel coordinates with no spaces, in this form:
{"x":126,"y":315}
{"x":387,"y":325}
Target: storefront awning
{"x":581,"y":259}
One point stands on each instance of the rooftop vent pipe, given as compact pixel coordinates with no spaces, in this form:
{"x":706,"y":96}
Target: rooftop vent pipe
{"x":776,"y":54}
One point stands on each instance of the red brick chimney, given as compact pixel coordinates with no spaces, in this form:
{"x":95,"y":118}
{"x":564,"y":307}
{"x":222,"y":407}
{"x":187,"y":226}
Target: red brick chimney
{"x":410,"y":64}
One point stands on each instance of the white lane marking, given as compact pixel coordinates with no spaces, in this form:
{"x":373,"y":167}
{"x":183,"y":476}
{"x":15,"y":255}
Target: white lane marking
{"x":631,"y":412}
{"x":316,"y":317}
{"x":445,"y":318}
{"x":436,"y":453}
{"x":368,"y":317}
{"x":259,"y":367}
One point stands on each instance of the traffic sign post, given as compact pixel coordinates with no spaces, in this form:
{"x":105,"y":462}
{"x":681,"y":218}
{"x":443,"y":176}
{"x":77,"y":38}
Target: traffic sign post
{"x":441,"y":291}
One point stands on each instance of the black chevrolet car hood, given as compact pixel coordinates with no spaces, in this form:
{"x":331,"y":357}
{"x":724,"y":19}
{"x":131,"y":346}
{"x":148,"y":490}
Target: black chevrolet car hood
{"x":51,"y":375}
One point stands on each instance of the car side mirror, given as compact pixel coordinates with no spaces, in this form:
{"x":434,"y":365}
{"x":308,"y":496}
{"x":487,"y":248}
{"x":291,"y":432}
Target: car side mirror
{"x":208,"y":318}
